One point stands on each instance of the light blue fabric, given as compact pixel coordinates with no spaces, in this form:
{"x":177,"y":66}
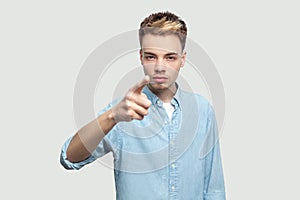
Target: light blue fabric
{"x":160,"y":159}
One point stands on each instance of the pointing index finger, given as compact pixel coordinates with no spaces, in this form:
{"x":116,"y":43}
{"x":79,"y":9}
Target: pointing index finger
{"x":137,"y":88}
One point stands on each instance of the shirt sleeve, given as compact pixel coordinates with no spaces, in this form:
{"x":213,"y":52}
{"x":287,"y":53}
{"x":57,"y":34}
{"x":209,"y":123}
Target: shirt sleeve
{"x":214,"y":188}
{"x":109,"y":143}
{"x":70,"y":165}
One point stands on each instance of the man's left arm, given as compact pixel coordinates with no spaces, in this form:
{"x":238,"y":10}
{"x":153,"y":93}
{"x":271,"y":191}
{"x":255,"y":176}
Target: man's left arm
{"x":214,"y":180}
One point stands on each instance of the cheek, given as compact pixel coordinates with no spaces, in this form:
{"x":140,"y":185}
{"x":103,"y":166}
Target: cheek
{"x":146,"y":70}
{"x":174,"y":68}
{"x":173,"y":72}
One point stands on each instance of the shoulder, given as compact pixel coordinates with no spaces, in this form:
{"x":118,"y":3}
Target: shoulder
{"x":196,"y":100}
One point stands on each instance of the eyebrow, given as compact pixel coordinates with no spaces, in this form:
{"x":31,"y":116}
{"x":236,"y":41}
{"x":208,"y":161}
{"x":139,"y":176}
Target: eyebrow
{"x":167,"y":54}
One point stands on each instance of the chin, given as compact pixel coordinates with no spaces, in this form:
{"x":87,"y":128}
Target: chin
{"x":157,"y":86}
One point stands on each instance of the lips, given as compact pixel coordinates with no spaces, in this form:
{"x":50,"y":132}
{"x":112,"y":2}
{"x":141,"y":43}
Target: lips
{"x":160,"y":79}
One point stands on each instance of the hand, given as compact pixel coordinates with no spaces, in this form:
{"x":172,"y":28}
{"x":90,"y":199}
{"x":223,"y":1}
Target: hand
{"x":134,"y":105}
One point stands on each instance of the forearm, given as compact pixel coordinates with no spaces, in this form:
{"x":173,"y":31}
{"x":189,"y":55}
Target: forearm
{"x":133,"y":106}
{"x":88,"y":137}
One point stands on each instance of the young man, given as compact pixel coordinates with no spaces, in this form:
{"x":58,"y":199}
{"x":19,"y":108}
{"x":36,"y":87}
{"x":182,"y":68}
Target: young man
{"x":164,"y":140}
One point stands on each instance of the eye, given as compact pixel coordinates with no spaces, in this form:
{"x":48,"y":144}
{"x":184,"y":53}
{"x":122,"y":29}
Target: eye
{"x":149,"y":57}
{"x":171,"y":58}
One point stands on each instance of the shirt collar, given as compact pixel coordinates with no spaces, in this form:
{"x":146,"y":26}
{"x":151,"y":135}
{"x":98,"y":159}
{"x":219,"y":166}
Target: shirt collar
{"x":176,"y":101}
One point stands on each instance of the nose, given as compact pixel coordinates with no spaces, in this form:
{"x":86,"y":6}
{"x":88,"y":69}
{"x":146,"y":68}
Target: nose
{"x":160,"y":65}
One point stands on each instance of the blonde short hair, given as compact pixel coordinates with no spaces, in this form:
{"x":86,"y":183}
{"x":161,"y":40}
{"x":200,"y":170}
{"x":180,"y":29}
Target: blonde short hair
{"x":163,"y":23}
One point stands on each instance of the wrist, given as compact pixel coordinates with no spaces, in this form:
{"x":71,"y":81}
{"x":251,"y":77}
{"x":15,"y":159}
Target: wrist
{"x":110,"y":116}
{"x":106,"y":121}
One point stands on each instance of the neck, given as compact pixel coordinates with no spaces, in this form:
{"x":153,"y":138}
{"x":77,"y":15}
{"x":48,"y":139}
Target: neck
{"x":165,"y":95}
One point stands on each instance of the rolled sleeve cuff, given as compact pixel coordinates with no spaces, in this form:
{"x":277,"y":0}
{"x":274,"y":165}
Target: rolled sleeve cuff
{"x":70,"y":165}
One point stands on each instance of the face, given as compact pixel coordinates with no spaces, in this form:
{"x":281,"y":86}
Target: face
{"x":162,"y":57}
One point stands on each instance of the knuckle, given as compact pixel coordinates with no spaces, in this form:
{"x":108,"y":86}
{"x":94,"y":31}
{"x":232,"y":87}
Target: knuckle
{"x":130,"y":113}
{"x":129,"y":96}
{"x":139,"y":117}
{"x":148,"y":103}
{"x":146,"y":112}
{"x":128,"y":105}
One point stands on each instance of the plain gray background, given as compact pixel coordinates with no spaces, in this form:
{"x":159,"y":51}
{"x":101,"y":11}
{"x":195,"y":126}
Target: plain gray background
{"x":254,"y":45}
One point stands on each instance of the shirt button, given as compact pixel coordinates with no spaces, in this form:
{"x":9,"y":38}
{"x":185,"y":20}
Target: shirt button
{"x":173,"y":166}
{"x":173,"y":187}
{"x":172,"y":142}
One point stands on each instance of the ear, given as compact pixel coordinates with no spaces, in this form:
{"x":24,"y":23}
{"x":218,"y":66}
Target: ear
{"x":183,"y":57}
{"x":141,"y":56}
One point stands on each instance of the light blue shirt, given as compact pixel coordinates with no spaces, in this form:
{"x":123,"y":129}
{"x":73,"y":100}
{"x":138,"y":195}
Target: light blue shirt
{"x":158,"y":158}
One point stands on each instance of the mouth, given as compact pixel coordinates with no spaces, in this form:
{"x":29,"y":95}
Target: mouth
{"x":159,"y":79}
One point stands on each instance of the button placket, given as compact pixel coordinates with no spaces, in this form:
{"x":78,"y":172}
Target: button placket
{"x":172,"y":166}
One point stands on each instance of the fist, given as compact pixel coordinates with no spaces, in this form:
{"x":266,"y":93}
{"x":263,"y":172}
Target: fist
{"x":134,"y":105}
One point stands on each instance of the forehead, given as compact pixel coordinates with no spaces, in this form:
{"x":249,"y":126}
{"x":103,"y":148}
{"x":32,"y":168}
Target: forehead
{"x":167,"y":43}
